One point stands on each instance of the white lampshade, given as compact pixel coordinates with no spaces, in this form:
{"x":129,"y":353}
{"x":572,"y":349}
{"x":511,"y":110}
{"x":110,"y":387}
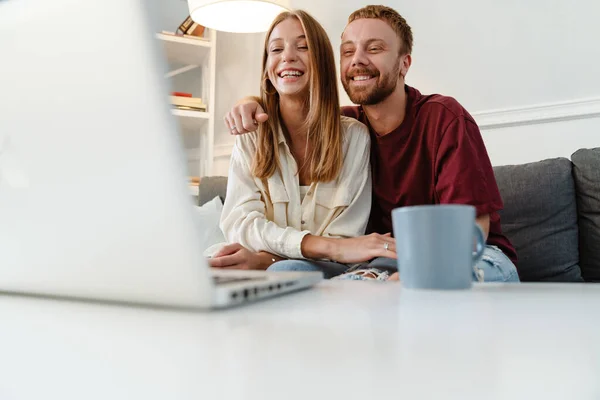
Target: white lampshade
{"x":236,"y":15}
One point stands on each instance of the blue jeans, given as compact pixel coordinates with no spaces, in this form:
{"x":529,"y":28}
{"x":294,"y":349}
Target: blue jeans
{"x":494,"y":264}
{"x":329,"y":268}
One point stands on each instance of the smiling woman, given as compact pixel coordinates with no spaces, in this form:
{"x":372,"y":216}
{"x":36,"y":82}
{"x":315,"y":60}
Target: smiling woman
{"x":288,"y":84}
{"x":288,"y":43}
{"x":305,"y":172}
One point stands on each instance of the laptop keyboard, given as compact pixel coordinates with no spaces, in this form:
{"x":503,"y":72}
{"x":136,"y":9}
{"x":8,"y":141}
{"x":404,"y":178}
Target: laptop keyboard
{"x":220,"y":280}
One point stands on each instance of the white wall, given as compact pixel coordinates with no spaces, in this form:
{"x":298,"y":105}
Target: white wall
{"x":508,"y":62}
{"x":239,"y":58}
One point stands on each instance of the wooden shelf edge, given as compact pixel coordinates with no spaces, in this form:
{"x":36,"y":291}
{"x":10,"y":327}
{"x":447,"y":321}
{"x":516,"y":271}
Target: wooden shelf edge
{"x":190,"y":113}
{"x":184,"y":40}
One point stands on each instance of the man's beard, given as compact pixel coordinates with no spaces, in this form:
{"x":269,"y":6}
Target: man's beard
{"x":384,"y":86}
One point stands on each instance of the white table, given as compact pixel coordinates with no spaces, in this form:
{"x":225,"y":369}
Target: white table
{"x":340,"y":340}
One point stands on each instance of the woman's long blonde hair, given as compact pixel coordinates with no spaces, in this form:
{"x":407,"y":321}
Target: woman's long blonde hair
{"x":324,"y":157}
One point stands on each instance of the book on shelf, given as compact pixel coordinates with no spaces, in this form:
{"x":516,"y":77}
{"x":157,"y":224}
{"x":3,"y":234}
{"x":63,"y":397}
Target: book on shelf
{"x":181,"y":94}
{"x":191,"y":28}
{"x":185,"y":25}
{"x":187,"y":103}
{"x":184,"y":35}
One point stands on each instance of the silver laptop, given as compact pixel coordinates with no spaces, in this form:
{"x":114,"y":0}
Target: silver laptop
{"x":94,"y":202}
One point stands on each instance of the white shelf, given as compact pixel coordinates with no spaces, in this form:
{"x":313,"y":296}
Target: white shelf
{"x":195,"y":57}
{"x":194,"y":190}
{"x":184,"y":50}
{"x":191,"y":120}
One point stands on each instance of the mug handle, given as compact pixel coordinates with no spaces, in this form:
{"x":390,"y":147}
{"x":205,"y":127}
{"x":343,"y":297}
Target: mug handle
{"x":478,"y":253}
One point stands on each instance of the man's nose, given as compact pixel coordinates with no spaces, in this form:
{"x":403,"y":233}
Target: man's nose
{"x":359,"y":58}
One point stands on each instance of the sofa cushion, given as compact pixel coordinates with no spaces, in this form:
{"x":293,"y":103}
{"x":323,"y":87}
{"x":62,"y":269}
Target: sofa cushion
{"x":208,"y":217}
{"x":540,"y":219}
{"x":586,"y":171}
{"x":211,"y":186}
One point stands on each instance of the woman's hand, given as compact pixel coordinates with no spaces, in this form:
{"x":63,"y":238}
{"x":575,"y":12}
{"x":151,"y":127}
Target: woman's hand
{"x":363,"y":248}
{"x":235,"y":256}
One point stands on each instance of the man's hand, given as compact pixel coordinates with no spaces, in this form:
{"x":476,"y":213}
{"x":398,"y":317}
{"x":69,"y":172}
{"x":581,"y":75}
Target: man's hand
{"x":245,"y":116}
{"x":235,"y":256}
{"x":363,"y":248}
{"x":484,"y":222}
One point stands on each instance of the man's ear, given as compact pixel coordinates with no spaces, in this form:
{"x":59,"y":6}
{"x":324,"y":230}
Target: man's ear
{"x":405,"y":65}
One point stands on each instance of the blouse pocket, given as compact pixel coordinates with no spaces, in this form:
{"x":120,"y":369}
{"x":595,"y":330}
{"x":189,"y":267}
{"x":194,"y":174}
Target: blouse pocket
{"x":329,"y":204}
{"x":331,"y":198}
{"x":277,"y":203}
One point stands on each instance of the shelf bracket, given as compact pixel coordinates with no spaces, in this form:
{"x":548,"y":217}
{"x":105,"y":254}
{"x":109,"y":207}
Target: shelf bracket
{"x":181,"y":70}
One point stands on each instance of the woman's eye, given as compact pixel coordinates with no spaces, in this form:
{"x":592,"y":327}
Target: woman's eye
{"x":276,"y":50}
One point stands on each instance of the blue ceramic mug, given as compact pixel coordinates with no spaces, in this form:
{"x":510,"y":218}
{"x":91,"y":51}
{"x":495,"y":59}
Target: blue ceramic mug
{"x":434,"y":245}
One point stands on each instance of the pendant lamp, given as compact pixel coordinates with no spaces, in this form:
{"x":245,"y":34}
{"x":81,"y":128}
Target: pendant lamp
{"x":242,"y":16}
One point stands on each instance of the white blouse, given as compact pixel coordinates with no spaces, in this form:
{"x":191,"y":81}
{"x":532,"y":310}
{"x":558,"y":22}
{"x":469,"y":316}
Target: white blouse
{"x":275,"y":218}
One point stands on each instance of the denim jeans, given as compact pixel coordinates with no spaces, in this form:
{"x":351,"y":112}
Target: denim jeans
{"x":329,"y":268}
{"x":495,"y":266}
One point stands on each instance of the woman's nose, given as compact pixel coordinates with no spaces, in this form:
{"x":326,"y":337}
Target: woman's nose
{"x":289,"y":54}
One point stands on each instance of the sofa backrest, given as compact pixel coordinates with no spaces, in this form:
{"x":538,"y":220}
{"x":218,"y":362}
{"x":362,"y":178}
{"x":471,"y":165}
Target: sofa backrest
{"x":586,"y":171}
{"x":211,"y":187}
{"x":540,"y":219}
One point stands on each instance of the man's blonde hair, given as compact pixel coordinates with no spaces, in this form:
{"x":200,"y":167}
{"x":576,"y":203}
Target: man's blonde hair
{"x":394,"y":20}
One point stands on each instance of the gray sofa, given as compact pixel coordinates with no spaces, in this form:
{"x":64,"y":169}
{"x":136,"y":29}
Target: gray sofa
{"x":551,"y":215}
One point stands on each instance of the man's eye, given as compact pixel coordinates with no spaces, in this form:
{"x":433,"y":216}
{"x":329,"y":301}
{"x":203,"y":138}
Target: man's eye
{"x":348,"y":52}
{"x":375,"y":49}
